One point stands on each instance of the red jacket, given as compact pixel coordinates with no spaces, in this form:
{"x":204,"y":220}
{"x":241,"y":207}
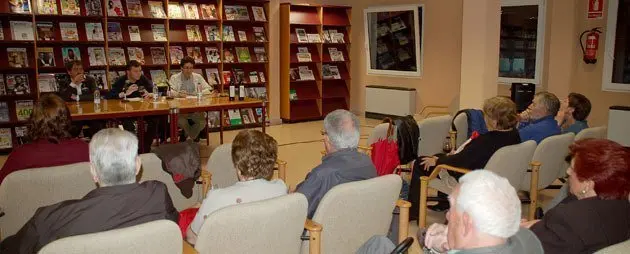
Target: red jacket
{"x":42,"y":153}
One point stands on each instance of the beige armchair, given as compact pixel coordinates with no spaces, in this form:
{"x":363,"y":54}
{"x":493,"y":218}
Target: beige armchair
{"x":550,"y":153}
{"x":593,"y":132}
{"x":433,"y":131}
{"x":620,"y":248}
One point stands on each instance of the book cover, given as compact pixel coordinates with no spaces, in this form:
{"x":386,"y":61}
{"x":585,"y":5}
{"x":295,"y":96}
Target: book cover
{"x":259,"y":115}
{"x":195,"y":53}
{"x":214,"y":119}
{"x":47,"y":83}
{"x":338,"y":38}
{"x":159,"y":32}
{"x":251,"y":92}
{"x":191,"y":11}
{"x":305,"y":73}
{"x":136,"y":53}
{"x":261,"y":55}
{"x":226,"y":119}
{"x":227,"y":77}
{"x":4,"y":112}
{"x":21,"y":133}
{"x":304,"y":57}
{"x":261,"y":92}
{"x":235,"y":117}
{"x":293,"y":95}
{"x":23,"y":109}
{"x":261,"y":77}
{"x":208,"y":11}
{"x":70,"y":54}
{"x":242,"y":12}
{"x":213,"y":77}
{"x":100,"y":76}
{"x":250,"y":113}
{"x":22,"y":30}
{"x":134,"y":33}
{"x":94,"y":31}
{"x":175,"y":11}
{"x":20,"y":6}
{"x":228,"y":56}
{"x":243,"y":55}
{"x":48,"y":7}
{"x":334,"y":72}
{"x":114,"y":32}
{"x":18,"y":84}
{"x":259,"y":13}
{"x":117,"y":56}
{"x":115,"y":8}
{"x":326,"y":72}
{"x":259,"y":34}
{"x":93,"y":8}
{"x":70,"y":7}
{"x":230,"y":12}
{"x":134,"y":8}
{"x":112,"y":76}
{"x":157,"y":9}
{"x":177,"y":54}
{"x":193,"y":33}
{"x":327,"y":38}
{"x":158,"y":55}
{"x":212,"y":33}
{"x":45,"y":57}
{"x":293,"y":74}
{"x":17,"y":57}
{"x":253,"y":77}
{"x":228,"y":33}
{"x":239,"y":75}
{"x":6,"y":140}
{"x":314,"y":38}
{"x":3,"y":86}
{"x":245,"y":116}
{"x":2,"y":31}
{"x":336,"y":55}
{"x":242,"y":35}
{"x":158,"y":77}
{"x":212,"y":54}
{"x":69,"y":31}
{"x":301,"y":35}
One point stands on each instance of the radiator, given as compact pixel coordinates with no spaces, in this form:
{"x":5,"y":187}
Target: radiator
{"x":389,"y":101}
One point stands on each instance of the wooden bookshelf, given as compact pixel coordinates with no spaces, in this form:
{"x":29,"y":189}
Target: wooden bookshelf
{"x":318,"y":97}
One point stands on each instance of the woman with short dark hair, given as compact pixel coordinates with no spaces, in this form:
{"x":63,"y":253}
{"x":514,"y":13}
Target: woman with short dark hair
{"x":573,"y":113}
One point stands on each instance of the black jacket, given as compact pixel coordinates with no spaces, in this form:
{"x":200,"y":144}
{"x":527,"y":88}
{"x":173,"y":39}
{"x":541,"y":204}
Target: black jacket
{"x":478,"y":152}
{"x":122,"y":83}
{"x":87,"y":89}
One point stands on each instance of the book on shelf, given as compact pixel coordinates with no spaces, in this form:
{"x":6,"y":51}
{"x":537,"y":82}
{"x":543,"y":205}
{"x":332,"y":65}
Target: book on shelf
{"x":114,"y":32}
{"x":228,"y":56}
{"x":212,"y":54}
{"x":259,"y":115}
{"x":193,"y":33}
{"x":336,"y":55}
{"x":214,"y":119}
{"x":159,"y":32}
{"x":47,"y":83}
{"x":17,"y":57}
{"x":402,"y":39}
{"x":303,"y":55}
{"x":136,"y":53}
{"x":253,"y":77}
{"x":69,"y":31}
{"x":23,"y":109}
{"x":261,"y":55}
{"x":228,"y":33}
{"x":330,"y":72}
{"x":176,"y":53}
{"x":1,"y":31}
{"x":337,"y":38}
{"x":191,"y":11}
{"x":93,"y":8}
{"x":134,"y":8}
{"x":6,"y":140}
{"x":175,"y":11}
{"x":134,"y":33}
{"x":226,"y":119}
{"x":243,"y":55}
{"x":305,"y":73}
{"x":70,"y":7}
{"x":293,"y":74}
{"x":259,"y":13}
{"x":156,"y":8}
{"x":261,"y":77}
{"x":383,"y":29}
{"x":69,"y":54}
{"x":100,"y":76}
{"x":293,"y":95}
{"x":4,"y":112}
{"x":235,"y":117}
{"x":259,"y":34}
{"x":227,"y":77}
{"x":158,"y":55}
{"x":159,"y":77}
{"x":261,"y":92}
{"x":97,"y":56}
{"x":242,"y":35}
{"x":301,"y":35}
{"x":403,"y":55}
{"x":239,"y":75}
{"x":3,"y":86}
{"x":20,"y":6}
{"x":251,"y":92}
{"x":326,"y":36}
{"x":47,"y":7}
{"x":18,"y":84}
{"x":208,"y":11}
{"x":22,"y":30}
{"x":397,"y":24}
{"x":236,"y":12}
{"x":314,"y":38}
{"x":245,"y":116}
{"x":112,"y":76}
{"x":94,"y":32}
{"x":115,"y":8}
{"x":195,"y":53}
{"x":117,"y":57}
{"x":213,"y":77}
{"x":21,"y":133}
{"x":212,"y":33}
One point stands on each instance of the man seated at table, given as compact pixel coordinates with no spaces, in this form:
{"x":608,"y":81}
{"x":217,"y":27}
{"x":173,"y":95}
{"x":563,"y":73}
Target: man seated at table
{"x":189,"y":83}
{"x":119,"y":201}
{"x":538,"y":121}
{"x":77,"y":86}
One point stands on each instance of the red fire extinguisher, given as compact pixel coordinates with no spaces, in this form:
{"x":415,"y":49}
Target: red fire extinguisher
{"x":592,"y":43}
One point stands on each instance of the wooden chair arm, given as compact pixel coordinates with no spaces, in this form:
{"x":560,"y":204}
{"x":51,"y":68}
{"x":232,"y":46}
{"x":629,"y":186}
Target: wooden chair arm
{"x":206,"y":180}
{"x":451,"y":168}
{"x":424,"y":188}
{"x":365,"y":149}
{"x":403,"y":219}
{"x":314,"y":236}
{"x":188,"y":249}
{"x":282,"y":169}
{"x":533,"y":189}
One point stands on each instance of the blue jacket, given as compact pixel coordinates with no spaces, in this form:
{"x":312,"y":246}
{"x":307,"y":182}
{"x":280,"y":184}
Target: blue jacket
{"x":576,"y":127}
{"x":538,"y":130}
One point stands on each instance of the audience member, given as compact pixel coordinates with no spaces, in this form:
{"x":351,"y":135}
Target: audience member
{"x":573,"y":113}
{"x":538,"y":121}
{"x":484,"y":218}
{"x":254,"y":155}
{"x":119,"y":201}
{"x":501,"y":119}
{"x":597,"y":213}
{"x":342,"y":162}
{"x":51,"y":143}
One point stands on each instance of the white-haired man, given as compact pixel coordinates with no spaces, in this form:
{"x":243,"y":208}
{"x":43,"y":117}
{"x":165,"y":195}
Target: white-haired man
{"x":342,"y":163}
{"x":118,"y":202}
{"x":484,"y":218}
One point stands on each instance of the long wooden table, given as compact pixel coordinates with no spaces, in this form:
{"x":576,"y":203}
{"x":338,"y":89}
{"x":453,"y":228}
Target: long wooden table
{"x":116,"y":109}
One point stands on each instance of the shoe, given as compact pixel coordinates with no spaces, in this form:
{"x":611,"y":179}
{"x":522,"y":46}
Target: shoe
{"x":440,"y":207}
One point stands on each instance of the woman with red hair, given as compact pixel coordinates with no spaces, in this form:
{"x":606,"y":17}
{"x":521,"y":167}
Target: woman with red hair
{"x":597,"y":213}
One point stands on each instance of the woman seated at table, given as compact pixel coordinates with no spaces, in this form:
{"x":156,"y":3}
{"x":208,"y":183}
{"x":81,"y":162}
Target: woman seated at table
{"x":501,"y":119}
{"x":50,"y":141}
{"x":254,"y":155}
{"x":597,"y":213}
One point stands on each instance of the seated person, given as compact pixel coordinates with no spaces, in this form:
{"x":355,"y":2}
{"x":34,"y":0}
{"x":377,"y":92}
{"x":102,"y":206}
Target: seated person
{"x":254,"y":155}
{"x":597,"y":213}
{"x":50,"y":142}
{"x":574,"y":111}
{"x":188,"y":83}
{"x":538,"y":121}
{"x":118,"y":202}
{"x":78,"y":86}
{"x":342,"y":163}
{"x":501,"y":119}
{"x":484,"y":218}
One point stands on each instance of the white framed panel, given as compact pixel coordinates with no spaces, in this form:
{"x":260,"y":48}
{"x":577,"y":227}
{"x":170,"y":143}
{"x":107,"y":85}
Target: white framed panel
{"x":609,"y":52}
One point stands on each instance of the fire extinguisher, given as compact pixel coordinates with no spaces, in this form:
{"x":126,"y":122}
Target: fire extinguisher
{"x":592,"y":43}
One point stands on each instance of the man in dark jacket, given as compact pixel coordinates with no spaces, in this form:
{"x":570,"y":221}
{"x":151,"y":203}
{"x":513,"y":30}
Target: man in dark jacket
{"x":119,"y":202}
{"x":77,"y":86}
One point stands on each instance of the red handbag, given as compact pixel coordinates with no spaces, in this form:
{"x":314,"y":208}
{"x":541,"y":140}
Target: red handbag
{"x":185,"y":218}
{"x":385,"y":153}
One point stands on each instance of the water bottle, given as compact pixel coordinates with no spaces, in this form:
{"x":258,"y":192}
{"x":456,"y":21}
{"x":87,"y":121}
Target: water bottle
{"x":232,"y":90}
{"x":199,"y":91}
{"x":77,"y":98}
{"x":156,"y":93}
{"x":97,"y":96}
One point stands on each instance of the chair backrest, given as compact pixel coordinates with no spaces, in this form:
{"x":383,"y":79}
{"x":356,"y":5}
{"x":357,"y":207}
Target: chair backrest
{"x":620,"y":248}
{"x":221,"y":167}
{"x":152,"y":170}
{"x":268,"y":226}
{"x":593,"y":132}
{"x":380,"y":132}
{"x":23,"y":192}
{"x":155,"y":237}
{"x":461,"y":123}
{"x":512,"y":161}
{"x":551,"y":153}
{"x":433,"y":132}
{"x":352,"y":213}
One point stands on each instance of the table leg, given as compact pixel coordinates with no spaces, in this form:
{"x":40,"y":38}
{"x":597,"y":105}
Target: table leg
{"x":221,"y":127}
{"x":140,"y":129}
{"x":207,"y":130}
{"x":264,"y":117}
{"x":174,"y":115}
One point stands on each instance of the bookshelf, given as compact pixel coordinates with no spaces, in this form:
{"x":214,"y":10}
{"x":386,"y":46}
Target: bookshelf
{"x":138,"y":34}
{"x":304,"y":96}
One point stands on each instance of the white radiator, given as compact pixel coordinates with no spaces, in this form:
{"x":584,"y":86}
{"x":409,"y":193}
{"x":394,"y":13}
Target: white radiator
{"x":618,"y":121}
{"x":385,"y":100}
